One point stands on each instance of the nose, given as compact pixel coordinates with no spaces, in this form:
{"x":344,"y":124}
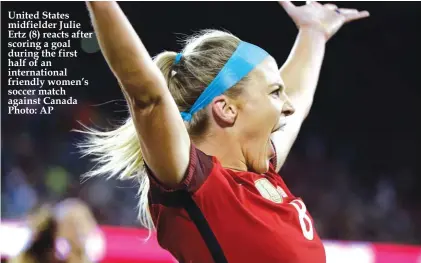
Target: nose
{"x":288,"y":109}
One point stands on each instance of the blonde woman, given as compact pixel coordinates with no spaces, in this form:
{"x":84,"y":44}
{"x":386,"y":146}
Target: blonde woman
{"x":209,"y":129}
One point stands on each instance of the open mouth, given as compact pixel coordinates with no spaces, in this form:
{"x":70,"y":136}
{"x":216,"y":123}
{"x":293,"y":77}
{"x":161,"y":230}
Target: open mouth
{"x":280,"y":127}
{"x":271,"y":150}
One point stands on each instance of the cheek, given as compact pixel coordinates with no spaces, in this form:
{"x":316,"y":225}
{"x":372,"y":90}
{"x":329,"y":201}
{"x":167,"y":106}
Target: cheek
{"x":259,"y":114}
{"x":276,"y":105}
{"x":253,"y":119}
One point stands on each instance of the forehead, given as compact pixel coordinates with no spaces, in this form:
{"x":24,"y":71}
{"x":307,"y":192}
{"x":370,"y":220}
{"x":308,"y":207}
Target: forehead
{"x":266,"y":73}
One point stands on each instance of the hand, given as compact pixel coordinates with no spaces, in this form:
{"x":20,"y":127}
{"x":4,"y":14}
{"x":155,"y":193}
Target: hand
{"x":327,"y":18}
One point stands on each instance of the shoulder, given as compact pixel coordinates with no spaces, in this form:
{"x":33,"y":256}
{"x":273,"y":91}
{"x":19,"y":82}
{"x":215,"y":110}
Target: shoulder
{"x":199,"y":168}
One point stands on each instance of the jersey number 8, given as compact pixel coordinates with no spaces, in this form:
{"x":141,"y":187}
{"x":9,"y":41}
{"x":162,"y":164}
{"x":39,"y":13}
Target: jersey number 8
{"x":303,"y":218}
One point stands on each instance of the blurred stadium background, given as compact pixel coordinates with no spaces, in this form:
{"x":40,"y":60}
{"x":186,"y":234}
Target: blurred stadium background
{"x":354,"y":163}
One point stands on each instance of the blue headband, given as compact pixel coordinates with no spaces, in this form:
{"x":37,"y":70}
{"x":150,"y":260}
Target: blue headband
{"x":245,"y":58}
{"x":178,"y":58}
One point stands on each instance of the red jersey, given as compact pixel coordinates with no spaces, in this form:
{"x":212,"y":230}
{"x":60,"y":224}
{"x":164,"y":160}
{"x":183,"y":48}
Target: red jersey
{"x":245,"y":216}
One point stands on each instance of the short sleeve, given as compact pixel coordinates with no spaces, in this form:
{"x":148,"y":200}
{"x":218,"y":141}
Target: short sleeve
{"x":200,"y":167}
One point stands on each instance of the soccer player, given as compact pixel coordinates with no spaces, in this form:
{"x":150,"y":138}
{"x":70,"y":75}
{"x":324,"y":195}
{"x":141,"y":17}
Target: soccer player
{"x":212,"y":126}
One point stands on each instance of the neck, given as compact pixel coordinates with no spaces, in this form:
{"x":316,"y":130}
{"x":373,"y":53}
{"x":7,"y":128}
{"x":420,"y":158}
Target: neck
{"x":224,"y":147}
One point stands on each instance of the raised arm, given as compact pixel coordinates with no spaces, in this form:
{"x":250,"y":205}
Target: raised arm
{"x":163,"y":138}
{"x":300,"y":73}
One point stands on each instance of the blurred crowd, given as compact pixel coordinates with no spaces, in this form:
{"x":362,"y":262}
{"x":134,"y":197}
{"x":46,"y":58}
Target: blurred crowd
{"x":40,"y":163}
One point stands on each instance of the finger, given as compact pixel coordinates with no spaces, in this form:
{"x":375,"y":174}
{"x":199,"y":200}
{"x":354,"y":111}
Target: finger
{"x":346,"y":11}
{"x":353,"y":12}
{"x":313,"y":3}
{"x":331,"y":6}
{"x":352,"y":16}
{"x":365,"y":13}
{"x":287,"y":5}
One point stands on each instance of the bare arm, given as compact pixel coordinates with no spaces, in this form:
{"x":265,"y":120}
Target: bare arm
{"x":300,"y":74}
{"x":317,"y":23}
{"x":161,"y":131}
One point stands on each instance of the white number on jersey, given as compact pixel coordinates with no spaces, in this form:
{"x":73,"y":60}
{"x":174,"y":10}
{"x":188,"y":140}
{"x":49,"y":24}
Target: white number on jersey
{"x":303,"y":218}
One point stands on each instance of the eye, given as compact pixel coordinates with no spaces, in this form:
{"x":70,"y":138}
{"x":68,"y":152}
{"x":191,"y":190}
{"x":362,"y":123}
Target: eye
{"x":276,"y":92}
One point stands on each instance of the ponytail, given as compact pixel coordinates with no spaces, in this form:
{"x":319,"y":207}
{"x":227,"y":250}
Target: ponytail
{"x":117,"y":153}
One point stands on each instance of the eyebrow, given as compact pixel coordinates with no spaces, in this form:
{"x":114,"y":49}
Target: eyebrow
{"x":278,"y":84}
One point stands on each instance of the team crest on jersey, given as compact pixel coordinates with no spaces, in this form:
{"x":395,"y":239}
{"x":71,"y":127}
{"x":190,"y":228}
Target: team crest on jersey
{"x":268,"y":191}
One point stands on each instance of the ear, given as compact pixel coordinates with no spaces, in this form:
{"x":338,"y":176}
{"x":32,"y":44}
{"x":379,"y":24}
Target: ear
{"x":224,"y":111}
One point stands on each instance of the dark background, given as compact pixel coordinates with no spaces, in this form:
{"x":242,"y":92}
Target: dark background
{"x":354,"y":163}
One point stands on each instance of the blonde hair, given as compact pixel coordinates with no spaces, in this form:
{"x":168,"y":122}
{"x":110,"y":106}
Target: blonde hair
{"x":117,"y":152}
